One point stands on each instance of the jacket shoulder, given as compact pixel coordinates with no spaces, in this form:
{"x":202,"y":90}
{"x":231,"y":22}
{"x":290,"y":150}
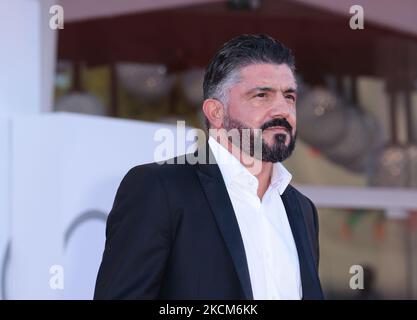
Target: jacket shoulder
{"x":177,"y":167}
{"x":305,"y":201}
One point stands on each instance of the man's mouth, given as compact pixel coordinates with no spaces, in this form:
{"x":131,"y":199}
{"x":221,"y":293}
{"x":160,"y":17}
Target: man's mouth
{"x":278,"y":129}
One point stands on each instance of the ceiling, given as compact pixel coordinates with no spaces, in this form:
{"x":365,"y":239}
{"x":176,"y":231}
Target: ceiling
{"x":187,"y":36}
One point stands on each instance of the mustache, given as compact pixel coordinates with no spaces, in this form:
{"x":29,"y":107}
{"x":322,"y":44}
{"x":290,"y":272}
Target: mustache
{"x":279,"y":122}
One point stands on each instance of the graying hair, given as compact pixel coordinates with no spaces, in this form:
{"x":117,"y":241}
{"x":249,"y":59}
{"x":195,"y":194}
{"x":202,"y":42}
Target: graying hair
{"x":222,"y":90}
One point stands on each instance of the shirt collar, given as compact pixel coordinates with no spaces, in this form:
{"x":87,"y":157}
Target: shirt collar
{"x":232,"y":169}
{"x":281,"y":177}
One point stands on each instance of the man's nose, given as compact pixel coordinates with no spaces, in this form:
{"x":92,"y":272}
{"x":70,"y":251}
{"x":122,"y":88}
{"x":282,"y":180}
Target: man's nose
{"x":280,"y":108}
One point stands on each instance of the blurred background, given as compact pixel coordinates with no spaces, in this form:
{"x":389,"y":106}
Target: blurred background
{"x":82,"y":98}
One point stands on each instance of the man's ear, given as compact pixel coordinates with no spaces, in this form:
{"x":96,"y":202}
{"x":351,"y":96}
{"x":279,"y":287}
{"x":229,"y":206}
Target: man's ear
{"x":214,"y":111}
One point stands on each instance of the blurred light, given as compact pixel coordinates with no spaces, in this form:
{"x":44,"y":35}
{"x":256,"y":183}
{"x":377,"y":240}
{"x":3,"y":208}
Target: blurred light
{"x":192,"y":82}
{"x":145,"y":81}
{"x":320,"y":117}
{"x":81,"y":102}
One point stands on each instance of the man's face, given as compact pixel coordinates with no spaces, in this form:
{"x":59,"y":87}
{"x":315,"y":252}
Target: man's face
{"x":265,"y":98}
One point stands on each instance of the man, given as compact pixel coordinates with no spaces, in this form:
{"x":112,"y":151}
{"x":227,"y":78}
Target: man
{"x":232,"y":229}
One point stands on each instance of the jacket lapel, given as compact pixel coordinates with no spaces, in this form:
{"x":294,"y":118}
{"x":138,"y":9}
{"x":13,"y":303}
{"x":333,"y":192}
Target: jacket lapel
{"x":309,"y":278}
{"x":222,"y":208}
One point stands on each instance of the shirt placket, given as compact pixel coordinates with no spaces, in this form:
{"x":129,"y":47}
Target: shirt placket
{"x":268,"y":249}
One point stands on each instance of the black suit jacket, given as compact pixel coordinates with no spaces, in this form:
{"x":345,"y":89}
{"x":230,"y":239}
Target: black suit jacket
{"x":172,"y":234}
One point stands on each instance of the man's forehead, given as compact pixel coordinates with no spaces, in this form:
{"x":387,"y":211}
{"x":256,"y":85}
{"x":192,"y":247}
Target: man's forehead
{"x":268,"y":74}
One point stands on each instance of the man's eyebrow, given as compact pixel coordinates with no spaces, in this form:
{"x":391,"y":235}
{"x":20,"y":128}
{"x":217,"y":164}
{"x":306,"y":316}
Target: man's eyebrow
{"x":269,"y":89}
{"x":265,"y":89}
{"x":290,"y":90}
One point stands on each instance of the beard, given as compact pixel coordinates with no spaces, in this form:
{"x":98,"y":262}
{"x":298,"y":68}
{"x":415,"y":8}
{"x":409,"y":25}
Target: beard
{"x":277,"y":152}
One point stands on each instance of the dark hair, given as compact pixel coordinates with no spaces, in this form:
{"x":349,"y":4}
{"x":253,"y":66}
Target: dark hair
{"x":239,"y":52}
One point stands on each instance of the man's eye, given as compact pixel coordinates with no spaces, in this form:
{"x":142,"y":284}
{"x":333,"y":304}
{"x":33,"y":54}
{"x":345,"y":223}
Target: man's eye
{"x":261,"y":95}
{"x":290,"y":97}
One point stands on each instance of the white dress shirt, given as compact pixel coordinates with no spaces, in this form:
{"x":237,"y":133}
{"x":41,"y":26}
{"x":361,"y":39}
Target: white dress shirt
{"x":269,"y":244}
